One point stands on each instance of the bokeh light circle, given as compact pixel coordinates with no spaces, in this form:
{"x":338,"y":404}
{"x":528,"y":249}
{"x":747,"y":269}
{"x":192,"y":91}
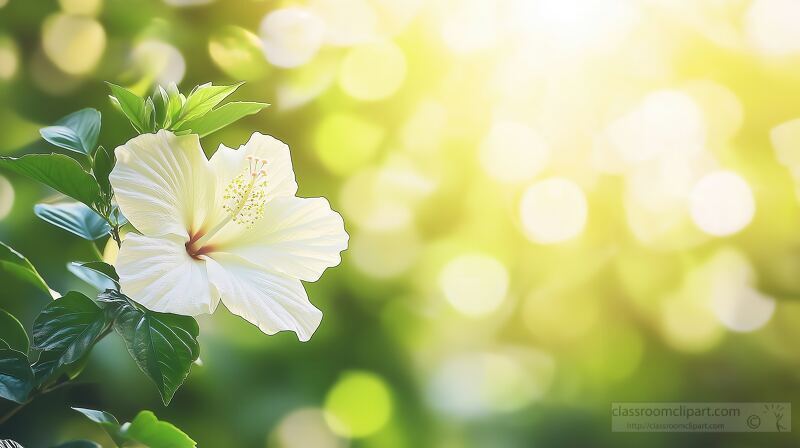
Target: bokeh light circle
{"x":553,"y":211}
{"x":73,"y":43}
{"x":304,"y":428}
{"x":346,"y":142}
{"x":771,"y":26}
{"x":9,"y":58}
{"x":373,"y":71}
{"x":358,"y":405}
{"x":237,"y":52}
{"x":291,"y":36}
{"x":160,"y":61}
{"x":722,"y":203}
{"x":474,"y":284}
{"x":6,"y":197}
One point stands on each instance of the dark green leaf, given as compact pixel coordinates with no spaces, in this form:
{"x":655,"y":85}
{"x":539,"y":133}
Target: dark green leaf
{"x":150,"y":431}
{"x":104,"y":161}
{"x":67,"y":330}
{"x":221,"y":117}
{"x":80,"y":444}
{"x":13,"y":333}
{"x":130,"y":104}
{"x":202,"y":99}
{"x":163,"y":345}
{"x":16,"y":377}
{"x":75,"y":218}
{"x":109,"y":423}
{"x":76,"y":132}
{"x":96,"y":273}
{"x":57,"y":171}
{"x":48,"y":368}
{"x":12,"y":263}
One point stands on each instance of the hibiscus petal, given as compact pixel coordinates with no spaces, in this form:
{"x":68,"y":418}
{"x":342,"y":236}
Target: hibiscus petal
{"x":158,"y":273}
{"x":163,"y":183}
{"x":271,"y":301}
{"x":299,"y":237}
{"x":228,"y":163}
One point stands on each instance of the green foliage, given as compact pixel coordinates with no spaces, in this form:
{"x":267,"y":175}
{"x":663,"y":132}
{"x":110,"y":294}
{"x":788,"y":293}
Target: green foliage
{"x":77,"y":131}
{"x":75,"y":218}
{"x":65,"y":331}
{"x":103,"y":163}
{"x":109,"y":423}
{"x":145,"y":429}
{"x":96,"y":273}
{"x":169,"y":109}
{"x":60,"y":172}
{"x":163,"y":345}
{"x":12,"y":263}
{"x":12,"y":333}
{"x":221,"y":117}
{"x":16,"y":377}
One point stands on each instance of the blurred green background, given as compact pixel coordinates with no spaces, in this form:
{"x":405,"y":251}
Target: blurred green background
{"x":553,"y":205}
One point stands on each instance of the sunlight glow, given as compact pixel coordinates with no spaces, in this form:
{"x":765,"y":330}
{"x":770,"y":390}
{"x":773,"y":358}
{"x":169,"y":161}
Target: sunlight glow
{"x":513,"y":152}
{"x":553,"y":211}
{"x":475,"y":285}
{"x":722,"y":203}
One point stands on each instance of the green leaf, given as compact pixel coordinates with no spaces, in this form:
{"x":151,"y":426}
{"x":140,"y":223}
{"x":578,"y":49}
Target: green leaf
{"x":96,"y":273}
{"x":49,"y":367}
{"x":109,"y":423}
{"x":175,"y":104}
{"x":66,"y":330}
{"x":77,"y":131}
{"x":104,"y":161}
{"x":160,"y":100}
{"x":60,"y":172}
{"x":16,"y":377}
{"x":130,"y":104}
{"x":148,"y":430}
{"x":163,"y":345}
{"x":80,"y":444}
{"x":15,"y":265}
{"x":221,"y":117}
{"x":75,"y":218}
{"x":145,"y":430}
{"x":12,"y":333}
{"x":202,"y":99}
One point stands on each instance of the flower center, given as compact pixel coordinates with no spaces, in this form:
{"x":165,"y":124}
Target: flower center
{"x":243,"y":201}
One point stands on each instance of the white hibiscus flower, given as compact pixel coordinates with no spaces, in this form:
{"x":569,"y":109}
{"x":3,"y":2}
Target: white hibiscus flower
{"x":229,"y":228}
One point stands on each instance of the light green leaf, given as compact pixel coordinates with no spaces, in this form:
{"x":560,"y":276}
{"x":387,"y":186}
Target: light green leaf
{"x":221,"y":117}
{"x":12,"y":263}
{"x":104,"y":161}
{"x":12,"y":332}
{"x":66,"y":330}
{"x":75,"y":218}
{"x":175,"y":104}
{"x":130,"y":104}
{"x":80,"y":444}
{"x":145,"y":430}
{"x":163,"y":345}
{"x":77,"y":131}
{"x":160,"y":100}
{"x":16,"y":377}
{"x":150,"y":431}
{"x":96,"y":273}
{"x":202,"y":99}
{"x":109,"y":423}
{"x":57,"y":171}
